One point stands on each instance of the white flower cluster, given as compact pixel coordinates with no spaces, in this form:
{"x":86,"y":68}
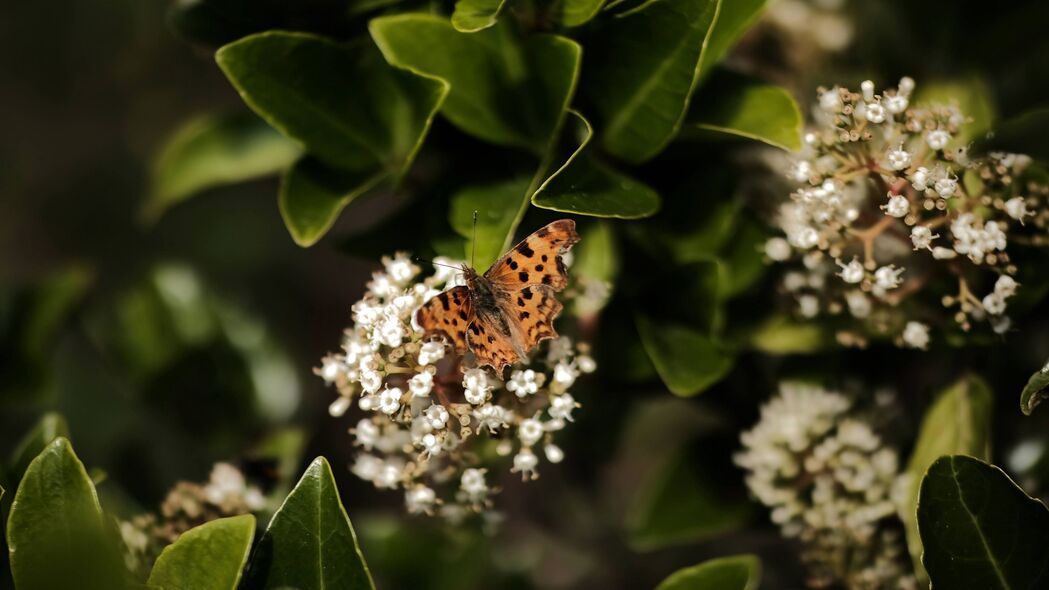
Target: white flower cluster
{"x":829,"y":482}
{"x":891,"y":206}
{"x":428,"y":414}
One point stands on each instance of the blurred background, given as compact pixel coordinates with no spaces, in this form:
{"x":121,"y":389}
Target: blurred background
{"x":175,"y":341}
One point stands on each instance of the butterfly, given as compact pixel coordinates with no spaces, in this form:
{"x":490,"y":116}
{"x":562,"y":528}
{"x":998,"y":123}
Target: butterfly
{"x":504,"y":313}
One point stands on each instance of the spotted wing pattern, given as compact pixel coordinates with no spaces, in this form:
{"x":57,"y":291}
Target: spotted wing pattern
{"x":531,"y":315}
{"x":491,"y":341}
{"x":536,"y":260}
{"x":449,"y":313}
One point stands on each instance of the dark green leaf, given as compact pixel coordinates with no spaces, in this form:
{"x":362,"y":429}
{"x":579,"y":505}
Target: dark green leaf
{"x":312,"y":195}
{"x":678,"y":505}
{"x":572,"y":13}
{"x":496,"y":206}
{"x":471,"y":16}
{"x":642,"y":67}
{"x":742,"y":262}
{"x":1025,"y":134}
{"x":216,"y":150}
{"x":352,"y":111}
{"x":504,"y":90}
{"x":208,"y":557}
{"x":55,"y":534}
{"x":958,"y":423}
{"x":734,"y":18}
{"x":1036,"y":390}
{"x":739,"y":572}
{"x":979,"y":529}
{"x":310,"y":543}
{"x":585,"y":186}
{"x":50,"y":427}
{"x":742,"y":107}
{"x":688,"y":361}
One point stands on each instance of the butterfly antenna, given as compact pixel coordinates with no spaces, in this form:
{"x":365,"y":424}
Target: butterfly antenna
{"x":434,"y":262}
{"x":473,"y":247}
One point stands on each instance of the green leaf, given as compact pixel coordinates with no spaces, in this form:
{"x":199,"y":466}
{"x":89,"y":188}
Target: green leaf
{"x":51,"y":426}
{"x":352,"y":111}
{"x":496,"y":205}
{"x":979,"y":529}
{"x":734,"y":18}
{"x":313,"y":195}
{"x":972,"y":97}
{"x":504,"y":89}
{"x":688,"y":361}
{"x":1025,"y":134}
{"x":677,"y":506}
{"x":572,"y":13}
{"x":742,"y":107}
{"x":55,"y":533}
{"x":642,"y":67}
{"x":782,"y":335}
{"x":958,"y":423}
{"x":310,"y":542}
{"x":1036,"y":390}
{"x":208,"y":557}
{"x":471,"y":16}
{"x":215,"y":150}
{"x":585,"y":186}
{"x":739,"y":572}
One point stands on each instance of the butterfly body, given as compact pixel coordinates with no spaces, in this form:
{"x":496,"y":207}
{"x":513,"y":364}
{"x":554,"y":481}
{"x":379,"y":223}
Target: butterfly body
{"x":501,"y":315}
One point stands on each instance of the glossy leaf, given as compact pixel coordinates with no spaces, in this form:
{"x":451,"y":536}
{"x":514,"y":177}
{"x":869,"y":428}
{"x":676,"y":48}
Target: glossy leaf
{"x":740,"y":572}
{"x":504,"y":89}
{"x":642,"y":67}
{"x":734,"y":18}
{"x":310,"y":542}
{"x":313,"y":195}
{"x":585,"y":186}
{"x":496,"y":206}
{"x":979,"y":529}
{"x":687,"y":360}
{"x":208,"y":557}
{"x":55,"y":533}
{"x":678,"y":505}
{"x":471,"y":16}
{"x":958,"y":423}
{"x":352,"y":111}
{"x":741,"y":107}
{"x":50,"y":427}
{"x":1036,"y":390}
{"x":572,"y":13}
{"x":215,"y":150}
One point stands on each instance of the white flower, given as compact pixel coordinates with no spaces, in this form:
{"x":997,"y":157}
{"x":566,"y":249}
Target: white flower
{"x":365,"y":314}
{"x":1005,"y":286}
{"x":491,"y":417}
{"x":437,"y":416}
{"x":389,"y":475}
{"x":366,"y":433}
{"x":916,"y":335}
{"x":867,"y":87}
{"x":777,"y":249}
{"x":898,"y":206}
{"x":906,"y":86}
{"x":899,"y":159}
{"x":887,"y":277}
{"x":920,"y":179}
{"x":421,"y":384}
{"x":801,"y":171}
{"x":431,"y":352}
{"x":419,"y":499}
{"x":338,"y":407}
{"x":400,"y":268}
{"x":431,"y":444}
{"x":875,"y":113}
{"x":331,"y":366}
{"x":852,"y":272}
{"x":922,"y":237}
{"x":371,"y":381}
{"x":565,"y":374}
{"x":586,"y":363}
{"x":1016,"y":208}
{"x":530,"y":431}
{"x":475,"y":382}
{"x":937,"y":139}
{"x":554,"y":454}
{"x":389,"y":331}
{"x":859,"y":304}
{"x":367,"y":467}
{"x":896,"y":104}
{"x":560,"y":348}
{"x":525,"y":462}
{"x":945,"y":187}
{"x":809,"y":305}
{"x":830,"y":100}
{"x":390,"y":400}
{"x":524,"y":383}
{"x":473,"y":485}
{"x":561,"y":406}
{"x":382,"y":286}
{"x":976,"y":242}
{"x":941,"y":253}
{"x":994,"y":304}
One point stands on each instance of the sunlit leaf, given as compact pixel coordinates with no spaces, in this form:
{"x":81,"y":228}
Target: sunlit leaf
{"x":208,"y":557}
{"x":742,"y":107}
{"x":471,"y":16}
{"x":1036,"y":390}
{"x":572,"y":13}
{"x":497,"y":207}
{"x":740,"y":572}
{"x":979,"y":529}
{"x":313,"y":195}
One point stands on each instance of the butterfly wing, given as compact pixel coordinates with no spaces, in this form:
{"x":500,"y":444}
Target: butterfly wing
{"x":536,"y":260}
{"x":491,"y":340}
{"x":448,"y":313}
{"x":532,"y":313}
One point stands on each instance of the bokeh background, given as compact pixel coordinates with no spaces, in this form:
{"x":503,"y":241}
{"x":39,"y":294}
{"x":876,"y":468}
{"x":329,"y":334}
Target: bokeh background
{"x":174,"y":342}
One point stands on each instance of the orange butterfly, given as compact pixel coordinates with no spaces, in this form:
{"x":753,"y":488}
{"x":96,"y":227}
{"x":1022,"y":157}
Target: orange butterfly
{"x":503,"y":314}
